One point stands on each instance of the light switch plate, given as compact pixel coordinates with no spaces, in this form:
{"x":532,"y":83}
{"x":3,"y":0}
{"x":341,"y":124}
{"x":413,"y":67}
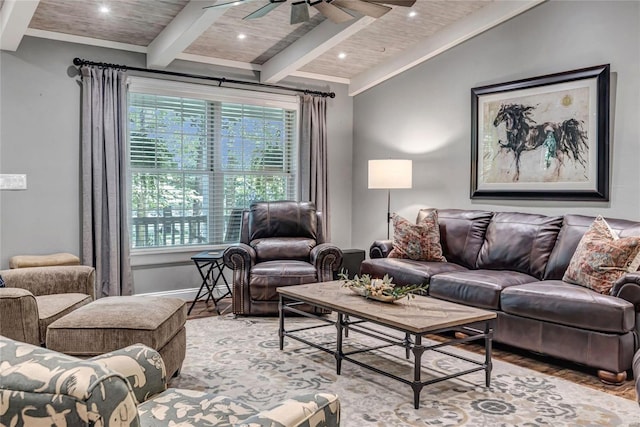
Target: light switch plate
{"x":13,"y":181}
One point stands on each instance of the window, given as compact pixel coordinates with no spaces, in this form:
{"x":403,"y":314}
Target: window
{"x":200,"y":154}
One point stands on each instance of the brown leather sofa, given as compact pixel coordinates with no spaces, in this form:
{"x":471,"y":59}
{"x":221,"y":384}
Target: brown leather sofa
{"x":513,"y":263}
{"x":281,"y":244}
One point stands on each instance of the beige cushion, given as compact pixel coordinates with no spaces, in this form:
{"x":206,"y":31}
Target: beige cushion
{"x":53,"y":307}
{"x":111,"y":323}
{"x":23,"y":261}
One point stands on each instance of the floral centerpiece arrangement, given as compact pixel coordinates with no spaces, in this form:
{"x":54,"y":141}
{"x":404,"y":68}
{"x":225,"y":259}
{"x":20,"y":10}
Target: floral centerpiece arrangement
{"x":380,"y":289}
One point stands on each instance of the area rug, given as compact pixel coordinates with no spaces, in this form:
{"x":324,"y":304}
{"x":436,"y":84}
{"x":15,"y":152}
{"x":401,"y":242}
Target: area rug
{"x":240,"y":358}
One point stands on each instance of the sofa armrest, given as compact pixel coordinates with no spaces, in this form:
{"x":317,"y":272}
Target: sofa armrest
{"x":380,"y":248}
{"x":141,"y":365}
{"x":627,"y":287}
{"x":19,"y":317}
{"x":43,"y":387}
{"x":326,"y":258}
{"x":319,"y":410}
{"x":52,"y":280}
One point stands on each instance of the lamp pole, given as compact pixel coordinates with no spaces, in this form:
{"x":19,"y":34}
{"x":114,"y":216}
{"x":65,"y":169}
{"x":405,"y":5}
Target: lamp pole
{"x":388,"y":211}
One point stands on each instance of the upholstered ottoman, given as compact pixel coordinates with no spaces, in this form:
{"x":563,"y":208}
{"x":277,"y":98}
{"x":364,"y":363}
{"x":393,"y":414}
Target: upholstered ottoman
{"x":108,"y":324}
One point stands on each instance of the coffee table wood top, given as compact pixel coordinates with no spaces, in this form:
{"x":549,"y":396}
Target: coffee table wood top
{"x":419,"y":315}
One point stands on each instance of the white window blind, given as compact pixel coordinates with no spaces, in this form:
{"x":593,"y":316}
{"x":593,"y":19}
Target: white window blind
{"x":197,"y":161}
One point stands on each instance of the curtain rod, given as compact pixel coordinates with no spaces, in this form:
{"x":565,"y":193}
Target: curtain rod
{"x":220,"y":80}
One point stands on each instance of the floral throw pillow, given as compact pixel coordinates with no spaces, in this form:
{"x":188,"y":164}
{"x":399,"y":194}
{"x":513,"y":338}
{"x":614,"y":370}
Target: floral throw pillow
{"x":602,"y":257}
{"x":420,"y":242}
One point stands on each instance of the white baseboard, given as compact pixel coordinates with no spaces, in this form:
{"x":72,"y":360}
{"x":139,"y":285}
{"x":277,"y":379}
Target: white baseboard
{"x":185,"y":294}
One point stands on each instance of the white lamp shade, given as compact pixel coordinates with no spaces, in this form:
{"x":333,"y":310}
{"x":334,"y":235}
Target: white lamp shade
{"x":390,"y":173}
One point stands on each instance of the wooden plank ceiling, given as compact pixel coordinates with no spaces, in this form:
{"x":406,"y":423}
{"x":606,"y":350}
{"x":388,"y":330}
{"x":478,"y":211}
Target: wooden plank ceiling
{"x":182,"y":29}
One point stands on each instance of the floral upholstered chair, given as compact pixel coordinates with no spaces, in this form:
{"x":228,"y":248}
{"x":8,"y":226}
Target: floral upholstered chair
{"x":128,"y":388}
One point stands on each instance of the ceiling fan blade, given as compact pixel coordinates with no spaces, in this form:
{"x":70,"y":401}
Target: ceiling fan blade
{"x":369,"y":9}
{"x":405,"y":3}
{"x":333,"y":13}
{"x":264,"y":9}
{"x":299,"y":12}
{"x":226,"y":3}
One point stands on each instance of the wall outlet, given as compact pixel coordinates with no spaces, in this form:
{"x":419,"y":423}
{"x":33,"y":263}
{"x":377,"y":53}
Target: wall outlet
{"x":13,"y":181}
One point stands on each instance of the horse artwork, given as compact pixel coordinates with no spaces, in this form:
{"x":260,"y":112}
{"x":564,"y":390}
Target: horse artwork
{"x":558,"y":141}
{"x":542,"y":138}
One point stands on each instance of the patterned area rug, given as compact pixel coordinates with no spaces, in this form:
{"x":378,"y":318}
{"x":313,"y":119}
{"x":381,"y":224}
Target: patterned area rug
{"x":240,"y":358}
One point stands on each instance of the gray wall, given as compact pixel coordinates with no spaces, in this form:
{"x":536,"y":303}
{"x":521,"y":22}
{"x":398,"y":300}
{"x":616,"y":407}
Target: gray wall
{"x":424,"y":113}
{"x":40,"y":136}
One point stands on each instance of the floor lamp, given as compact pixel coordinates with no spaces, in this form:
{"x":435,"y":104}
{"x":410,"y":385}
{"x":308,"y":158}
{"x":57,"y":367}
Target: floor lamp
{"x":389,"y":174}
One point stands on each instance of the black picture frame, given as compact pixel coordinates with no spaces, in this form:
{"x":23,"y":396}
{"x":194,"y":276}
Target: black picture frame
{"x":542,"y":138}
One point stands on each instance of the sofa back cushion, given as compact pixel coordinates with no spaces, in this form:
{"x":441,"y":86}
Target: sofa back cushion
{"x":573,"y":228}
{"x":461,"y":233}
{"x":282,"y":219}
{"x":520,"y":242}
{"x":274,"y":248}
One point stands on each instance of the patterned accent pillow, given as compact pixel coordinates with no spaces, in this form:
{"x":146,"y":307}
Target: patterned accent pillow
{"x":602,"y":257}
{"x":419,"y":242}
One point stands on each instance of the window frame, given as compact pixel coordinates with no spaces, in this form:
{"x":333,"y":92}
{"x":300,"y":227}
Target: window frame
{"x":215,"y":94}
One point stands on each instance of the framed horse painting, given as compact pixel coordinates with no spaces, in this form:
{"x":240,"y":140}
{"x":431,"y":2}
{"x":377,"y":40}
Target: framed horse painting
{"x":543,"y":138}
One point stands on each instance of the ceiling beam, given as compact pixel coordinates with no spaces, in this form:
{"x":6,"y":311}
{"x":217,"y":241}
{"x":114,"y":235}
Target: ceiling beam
{"x":308,"y":47}
{"x":71,"y":38}
{"x":183,"y":30}
{"x":15,"y":17}
{"x":449,"y":37}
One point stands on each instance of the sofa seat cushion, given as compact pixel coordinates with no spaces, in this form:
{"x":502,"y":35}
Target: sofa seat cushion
{"x":53,"y":307}
{"x":571,"y":305}
{"x":407,"y":271}
{"x":189,"y":407}
{"x":111,"y":323}
{"x":267,"y":276}
{"x":477,"y":288}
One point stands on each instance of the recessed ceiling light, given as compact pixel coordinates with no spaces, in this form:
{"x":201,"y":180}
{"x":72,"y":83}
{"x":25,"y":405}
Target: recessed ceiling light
{"x":104,"y":9}
{"x":342,"y":55}
{"x":242,"y":36}
{"x":412,"y":13}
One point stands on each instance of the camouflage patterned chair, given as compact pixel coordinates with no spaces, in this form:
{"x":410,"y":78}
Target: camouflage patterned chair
{"x":128,"y":387}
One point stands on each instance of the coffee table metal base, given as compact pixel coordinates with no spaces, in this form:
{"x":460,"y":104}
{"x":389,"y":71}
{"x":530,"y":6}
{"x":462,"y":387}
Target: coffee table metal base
{"x":411,"y":342}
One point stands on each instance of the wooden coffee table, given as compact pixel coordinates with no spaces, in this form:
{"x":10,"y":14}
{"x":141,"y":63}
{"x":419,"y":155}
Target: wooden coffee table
{"x":414,"y":317}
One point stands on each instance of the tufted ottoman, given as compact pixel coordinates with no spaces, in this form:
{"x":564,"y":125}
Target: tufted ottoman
{"x":110,"y":323}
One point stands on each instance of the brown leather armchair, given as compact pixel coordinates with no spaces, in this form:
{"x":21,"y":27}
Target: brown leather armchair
{"x":281,"y":244}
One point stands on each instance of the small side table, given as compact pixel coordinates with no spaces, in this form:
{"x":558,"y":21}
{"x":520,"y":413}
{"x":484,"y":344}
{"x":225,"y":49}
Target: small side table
{"x":211,"y":269}
{"x":351,"y":260}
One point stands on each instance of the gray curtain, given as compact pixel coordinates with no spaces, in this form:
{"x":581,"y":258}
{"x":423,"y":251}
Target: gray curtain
{"x":105,"y":237}
{"x":314,"y":184}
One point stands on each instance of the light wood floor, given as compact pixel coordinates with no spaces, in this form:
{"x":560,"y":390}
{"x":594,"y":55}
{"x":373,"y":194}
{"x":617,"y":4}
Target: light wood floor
{"x":546,"y":365}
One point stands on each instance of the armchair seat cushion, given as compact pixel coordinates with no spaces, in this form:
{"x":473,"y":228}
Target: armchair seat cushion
{"x":571,"y":305}
{"x":478,"y":288}
{"x":53,"y":307}
{"x":269,"y":275}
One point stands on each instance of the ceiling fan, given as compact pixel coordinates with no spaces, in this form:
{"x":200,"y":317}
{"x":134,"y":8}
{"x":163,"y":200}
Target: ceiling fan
{"x":334,"y":10}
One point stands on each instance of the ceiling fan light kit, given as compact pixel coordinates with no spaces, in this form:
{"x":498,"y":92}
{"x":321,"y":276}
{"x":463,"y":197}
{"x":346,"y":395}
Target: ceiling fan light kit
{"x":333,"y":10}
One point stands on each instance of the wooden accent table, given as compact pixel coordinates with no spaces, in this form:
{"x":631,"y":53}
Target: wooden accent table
{"x":415,"y":318}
